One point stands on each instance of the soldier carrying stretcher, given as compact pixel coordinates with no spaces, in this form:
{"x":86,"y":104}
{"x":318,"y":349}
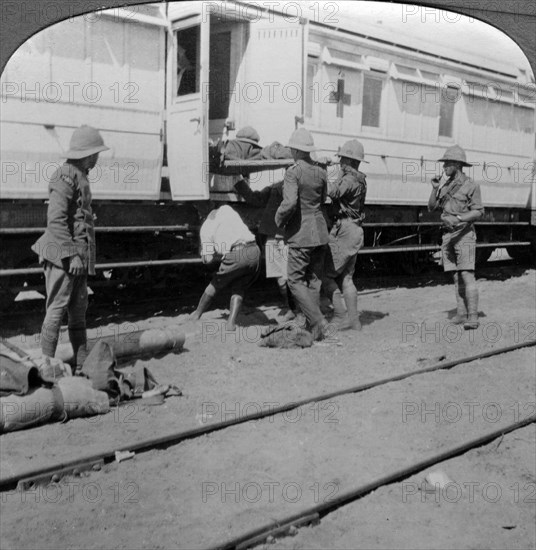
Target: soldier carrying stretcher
{"x":346,"y":236}
{"x":302,"y":217}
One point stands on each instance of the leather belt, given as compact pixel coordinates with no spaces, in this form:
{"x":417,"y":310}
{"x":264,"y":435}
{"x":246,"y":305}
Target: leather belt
{"x":241,"y":244}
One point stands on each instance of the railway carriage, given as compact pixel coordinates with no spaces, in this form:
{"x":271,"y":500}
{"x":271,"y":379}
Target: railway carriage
{"x":160,"y":81}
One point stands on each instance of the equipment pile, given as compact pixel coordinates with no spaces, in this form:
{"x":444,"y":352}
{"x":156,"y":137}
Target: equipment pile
{"x":37,"y":390}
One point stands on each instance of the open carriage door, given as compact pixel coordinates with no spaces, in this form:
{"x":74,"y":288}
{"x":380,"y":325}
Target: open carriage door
{"x":187,"y":121}
{"x":272,"y":90}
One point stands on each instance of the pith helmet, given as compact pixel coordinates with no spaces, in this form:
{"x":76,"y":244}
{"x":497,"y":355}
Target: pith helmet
{"x":85,"y":141}
{"x":352,"y":149}
{"x":249,"y":135}
{"x":302,"y":140}
{"x":455,"y":154}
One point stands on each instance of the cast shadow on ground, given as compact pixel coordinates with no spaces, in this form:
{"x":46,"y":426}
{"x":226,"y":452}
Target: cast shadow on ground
{"x":451,"y":313}
{"x":368,"y":317}
{"x":251,"y":315}
{"x":125,"y":315}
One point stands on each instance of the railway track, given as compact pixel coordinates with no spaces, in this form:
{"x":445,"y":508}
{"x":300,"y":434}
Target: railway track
{"x":312,"y":516}
{"x":26,"y":479}
{"x":286,"y":523}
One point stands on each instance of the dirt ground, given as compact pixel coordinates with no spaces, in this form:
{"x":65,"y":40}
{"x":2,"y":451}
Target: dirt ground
{"x":211,"y":489}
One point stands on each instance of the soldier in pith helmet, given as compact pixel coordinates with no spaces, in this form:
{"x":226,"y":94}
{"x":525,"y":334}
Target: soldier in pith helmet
{"x":346,"y":235}
{"x":302,"y":220}
{"x":67,"y":248}
{"x":458,"y":198}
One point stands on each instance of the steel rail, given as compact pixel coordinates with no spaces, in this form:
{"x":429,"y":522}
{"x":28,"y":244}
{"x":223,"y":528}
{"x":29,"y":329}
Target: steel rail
{"x":111,"y":265}
{"x":46,"y":473}
{"x":428,"y":247}
{"x":108,"y":229}
{"x":183,"y":261}
{"x":314,"y":513}
{"x":186,"y":227}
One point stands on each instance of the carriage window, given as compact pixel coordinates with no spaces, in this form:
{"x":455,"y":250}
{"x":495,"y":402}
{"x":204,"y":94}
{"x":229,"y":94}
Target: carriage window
{"x":187,"y":61}
{"x":372,"y":96}
{"x":446,"y":111}
{"x":312,"y":68}
{"x":524,"y":119}
{"x":220,"y":77}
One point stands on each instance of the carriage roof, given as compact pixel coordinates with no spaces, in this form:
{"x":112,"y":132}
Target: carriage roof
{"x":442,"y":34}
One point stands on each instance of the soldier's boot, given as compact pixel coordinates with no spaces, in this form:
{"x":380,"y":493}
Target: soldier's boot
{"x":49,"y":340}
{"x":234,"y":308}
{"x":307,"y":301}
{"x":350,"y":297}
{"x":324,"y":331}
{"x":471,"y":294}
{"x":81,"y":356}
{"x":324,"y":303}
{"x":340,"y":318}
{"x":461,"y":307}
{"x":286,"y":311}
{"x":78,"y":339}
{"x":204,"y":302}
{"x":299,"y":318}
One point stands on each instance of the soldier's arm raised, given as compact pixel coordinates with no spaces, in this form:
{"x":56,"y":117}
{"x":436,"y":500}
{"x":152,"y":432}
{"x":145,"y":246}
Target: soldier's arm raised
{"x":255,"y":198}
{"x":433,"y":203}
{"x":290,"y":198}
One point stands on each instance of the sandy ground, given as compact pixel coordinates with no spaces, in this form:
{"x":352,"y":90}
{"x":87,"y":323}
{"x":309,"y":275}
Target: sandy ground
{"x":213,"y":488}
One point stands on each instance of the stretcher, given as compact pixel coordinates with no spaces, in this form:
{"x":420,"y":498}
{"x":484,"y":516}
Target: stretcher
{"x":248,"y":166}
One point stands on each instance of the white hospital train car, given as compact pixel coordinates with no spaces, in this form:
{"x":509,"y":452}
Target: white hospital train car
{"x":159,"y":81}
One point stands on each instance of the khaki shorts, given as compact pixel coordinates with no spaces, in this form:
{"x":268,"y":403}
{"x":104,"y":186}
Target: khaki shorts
{"x":238,"y":269}
{"x":345,"y":241}
{"x":458,"y":251}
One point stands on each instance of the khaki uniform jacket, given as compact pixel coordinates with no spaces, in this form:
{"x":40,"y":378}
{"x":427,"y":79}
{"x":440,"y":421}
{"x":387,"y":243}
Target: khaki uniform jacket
{"x":348,"y":194}
{"x":457,"y":196}
{"x":302,"y":211}
{"x":70,"y":227}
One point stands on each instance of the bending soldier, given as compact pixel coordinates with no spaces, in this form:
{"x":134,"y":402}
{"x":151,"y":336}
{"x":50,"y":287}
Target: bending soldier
{"x":346,"y":236}
{"x":67,"y":248}
{"x":458,"y":199}
{"x":224,"y":236}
